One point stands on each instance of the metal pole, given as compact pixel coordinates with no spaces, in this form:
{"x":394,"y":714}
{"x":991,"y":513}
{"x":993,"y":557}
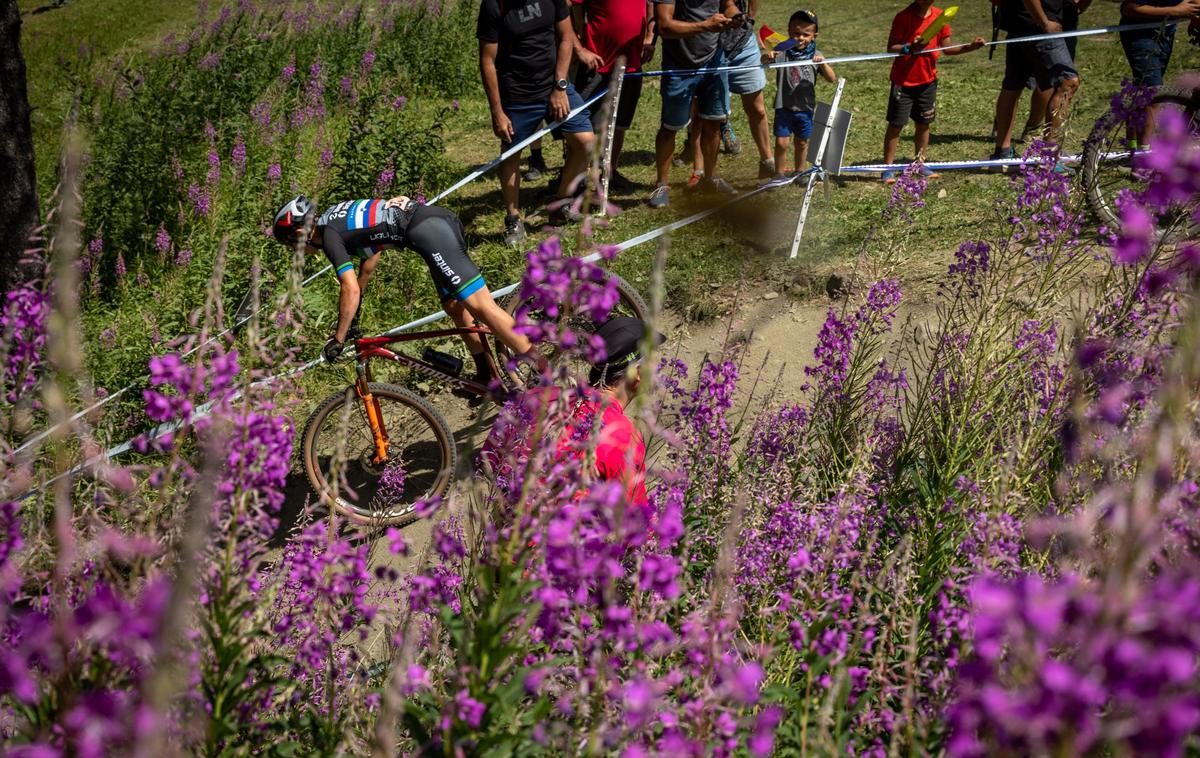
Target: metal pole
{"x":614,"y":104}
{"x":818,"y":169}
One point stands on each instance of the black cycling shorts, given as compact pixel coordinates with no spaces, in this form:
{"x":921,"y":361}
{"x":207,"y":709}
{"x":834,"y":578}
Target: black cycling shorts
{"x":436,"y":234}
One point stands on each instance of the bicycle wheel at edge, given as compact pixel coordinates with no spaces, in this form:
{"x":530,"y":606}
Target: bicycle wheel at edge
{"x":1105,"y":179}
{"x":421,"y":445}
{"x":630,"y":303}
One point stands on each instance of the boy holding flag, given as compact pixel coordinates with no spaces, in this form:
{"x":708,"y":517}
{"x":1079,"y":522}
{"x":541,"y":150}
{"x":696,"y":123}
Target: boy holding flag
{"x":914,"y":76}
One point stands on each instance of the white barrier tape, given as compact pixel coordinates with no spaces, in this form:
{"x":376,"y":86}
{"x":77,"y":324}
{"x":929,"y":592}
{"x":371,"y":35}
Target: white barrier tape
{"x":875,"y":168}
{"x":888,"y":56}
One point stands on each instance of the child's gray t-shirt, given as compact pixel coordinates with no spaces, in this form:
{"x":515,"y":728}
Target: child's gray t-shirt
{"x":797,"y":84}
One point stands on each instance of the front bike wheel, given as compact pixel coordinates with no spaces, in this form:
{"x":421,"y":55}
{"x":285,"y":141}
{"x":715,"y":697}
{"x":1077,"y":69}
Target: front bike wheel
{"x":629,"y":303}
{"x":340,"y":455}
{"x":1108,"y":167}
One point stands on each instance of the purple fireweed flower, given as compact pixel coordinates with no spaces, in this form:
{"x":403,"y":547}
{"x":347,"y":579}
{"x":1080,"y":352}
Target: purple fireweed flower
{"x":289,"y":71}
{"x":238,"y":156}
{"x":274,"y":172}
{"x":468,"y":710}
{"x":386,"y":177}
{"x":23,"y":326}
{"x":162,"y":240}
{"x":183,"y":257}
{"x":399,"y":102}
{"x":120,"y":266}
{"x":367,"y":62}
{"x":209,"y":62}
{"x":325,"y":159}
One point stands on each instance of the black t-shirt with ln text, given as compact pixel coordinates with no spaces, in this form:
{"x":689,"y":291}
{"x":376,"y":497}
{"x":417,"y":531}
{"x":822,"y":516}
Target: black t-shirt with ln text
{"x":528,"y":51}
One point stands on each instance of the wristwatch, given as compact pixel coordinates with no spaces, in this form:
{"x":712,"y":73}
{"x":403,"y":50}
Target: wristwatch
{"x":561,"y":84}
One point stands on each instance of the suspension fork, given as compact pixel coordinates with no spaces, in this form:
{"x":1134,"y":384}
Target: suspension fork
{"x":374,"y":413}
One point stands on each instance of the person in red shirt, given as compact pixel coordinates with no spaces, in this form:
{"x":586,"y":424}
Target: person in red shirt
{"x":914,"y":79}
{"x":620,"y":452}
{"x":607,"y":30}
{"x":589,"y":425}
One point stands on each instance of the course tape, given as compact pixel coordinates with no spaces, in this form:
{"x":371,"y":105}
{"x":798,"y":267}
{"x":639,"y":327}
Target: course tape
{"x":204,"y":410}
{"x":888,"y":56}
{"x":664,"y":72}
{"x":875,"y":168}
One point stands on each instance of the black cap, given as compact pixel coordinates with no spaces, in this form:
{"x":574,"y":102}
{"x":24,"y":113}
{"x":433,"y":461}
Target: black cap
{"x":806,"y":17}
{"x":622,"y":337}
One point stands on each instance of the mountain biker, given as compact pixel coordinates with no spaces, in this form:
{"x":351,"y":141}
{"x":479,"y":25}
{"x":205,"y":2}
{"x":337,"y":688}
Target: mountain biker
{"x":364,"y":228}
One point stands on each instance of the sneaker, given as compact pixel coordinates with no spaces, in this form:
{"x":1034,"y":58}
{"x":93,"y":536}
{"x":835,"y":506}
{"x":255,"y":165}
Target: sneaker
{"x":1001,"y":154}
{"x":718,"y":186}
{"x":766,"y":168}
{"x":537,"y":168}
{"x":514,"y":231}
{"x":929,"y":173}
{"x":563,"y":212}
{"x":729,"y":140}
{"x":660,"y":198}
{"x":694,"y":180}
{"x":889,"y":177}
{"x":1063,"y":169}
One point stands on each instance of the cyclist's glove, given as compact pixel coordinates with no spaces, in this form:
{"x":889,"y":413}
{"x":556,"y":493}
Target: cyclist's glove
{"x":332,"y":350}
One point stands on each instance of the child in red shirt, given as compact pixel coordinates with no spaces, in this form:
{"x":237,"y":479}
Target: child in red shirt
{"x":914,"y":78}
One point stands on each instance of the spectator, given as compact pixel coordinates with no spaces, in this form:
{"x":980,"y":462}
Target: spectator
{"x":1047,"y":61}
{"x":610,"y":29}
{"x":1039,"y":100}
{"x":524,"y":52}
{"x":1149,"y":50}
{"x":914,"y":79}
{"x":743,"y":48}
{"x":691,"y":33}
{"x":796,"y":95}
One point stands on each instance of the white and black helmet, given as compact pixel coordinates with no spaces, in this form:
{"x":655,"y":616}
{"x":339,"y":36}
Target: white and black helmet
{"x":291,"y":218}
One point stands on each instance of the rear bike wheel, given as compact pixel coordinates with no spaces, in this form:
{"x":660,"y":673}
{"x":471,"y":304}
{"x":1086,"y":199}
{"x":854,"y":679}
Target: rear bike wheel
{"x":629,"y":303}
{"x":1108,"y":168}
{"x":339,"y":455}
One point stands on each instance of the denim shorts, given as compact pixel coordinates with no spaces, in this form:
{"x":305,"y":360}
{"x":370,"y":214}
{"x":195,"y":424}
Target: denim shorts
{"x":709,"y":88}
{"x":789,"y":122}
{"x":1149,"y":54}
{"x":751,"y":80}
{"x":525,"y":117}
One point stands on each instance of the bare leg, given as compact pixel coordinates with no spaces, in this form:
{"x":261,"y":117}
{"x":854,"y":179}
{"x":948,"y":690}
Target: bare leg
{"x":1006,"y":113}
{"x":694,"y":142}
{"x":1039,"y":106}
{"x":458,"y":314}
{"x":801,"y":153}
{"x":781,"y":153}
{"x":487,"y":311}
{"x":1060,"y":102}
{"x":510,"y":184}
{"x":618,"y":142}
{"x":891,"y":143}
{"x":710,"y":143}
{"x":921,"y":141}
{"x":579,"y":145}
{"x":664,"y":151}
{"x":756,"y":114}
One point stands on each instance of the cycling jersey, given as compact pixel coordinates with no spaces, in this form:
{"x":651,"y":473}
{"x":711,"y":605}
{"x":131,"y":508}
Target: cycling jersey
{"x":366,"y":227}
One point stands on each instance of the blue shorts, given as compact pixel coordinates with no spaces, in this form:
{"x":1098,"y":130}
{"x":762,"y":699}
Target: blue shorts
{"x":1148,"y":54}
{"x":709,"y":88}
{"x":789,"y":122}
{"x":750,"y":80}
{"x":525,"y":117}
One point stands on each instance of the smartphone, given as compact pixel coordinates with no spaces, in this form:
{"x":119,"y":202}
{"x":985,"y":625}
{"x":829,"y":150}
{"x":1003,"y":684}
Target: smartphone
{"x":738,"y":18}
